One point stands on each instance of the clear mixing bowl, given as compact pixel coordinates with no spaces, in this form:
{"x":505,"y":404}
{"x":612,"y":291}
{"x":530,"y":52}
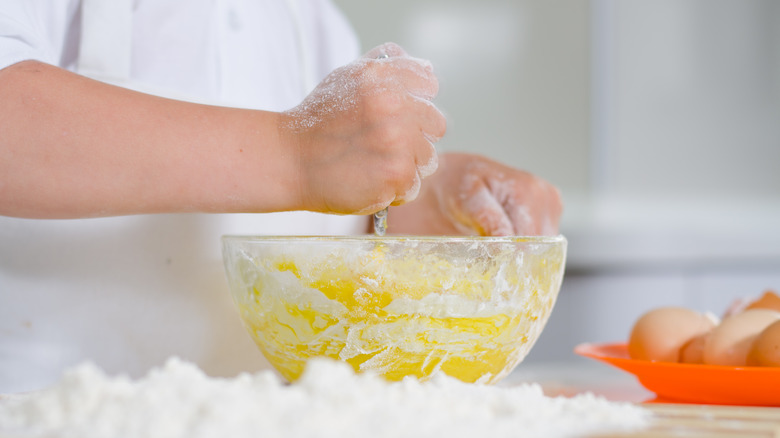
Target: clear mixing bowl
{"x":470,"y":307}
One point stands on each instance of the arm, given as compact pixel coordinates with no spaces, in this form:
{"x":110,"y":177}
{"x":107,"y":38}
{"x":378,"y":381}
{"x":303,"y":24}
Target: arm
{"x":74,"y":147}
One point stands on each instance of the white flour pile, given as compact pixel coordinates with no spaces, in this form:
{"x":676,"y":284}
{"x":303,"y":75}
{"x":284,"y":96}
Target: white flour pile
{"x":178,"y":400}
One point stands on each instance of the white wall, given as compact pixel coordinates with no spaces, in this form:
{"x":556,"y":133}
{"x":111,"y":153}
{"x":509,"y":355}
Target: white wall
{"x":513,"y":75}
{"x":692,"y":104}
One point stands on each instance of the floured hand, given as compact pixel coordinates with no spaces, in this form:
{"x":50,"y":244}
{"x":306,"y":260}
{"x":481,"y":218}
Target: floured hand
{"x":473,"y":195}
{"x":363,"y":139}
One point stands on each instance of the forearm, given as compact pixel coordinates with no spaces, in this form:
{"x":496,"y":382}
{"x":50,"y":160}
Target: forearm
{"x":74,"y":147}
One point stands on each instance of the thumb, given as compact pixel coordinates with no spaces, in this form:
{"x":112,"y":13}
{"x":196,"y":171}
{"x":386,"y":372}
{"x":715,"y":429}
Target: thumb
{"x":389,"y":49}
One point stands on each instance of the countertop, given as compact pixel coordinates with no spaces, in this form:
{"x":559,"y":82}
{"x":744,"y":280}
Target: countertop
{"x":670,"y":419}
{"x":569,"y":378}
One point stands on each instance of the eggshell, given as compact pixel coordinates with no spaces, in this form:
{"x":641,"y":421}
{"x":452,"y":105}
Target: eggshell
{"x":730,"y":342}
{"x":661,"y":333}
{"x":693,"y":350}
{"x":766,"y":348}
{"x":769,"y":300}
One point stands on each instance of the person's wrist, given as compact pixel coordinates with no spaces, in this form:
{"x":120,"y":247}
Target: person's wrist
{"x":261,"y":163}
{"x":289,"y":146}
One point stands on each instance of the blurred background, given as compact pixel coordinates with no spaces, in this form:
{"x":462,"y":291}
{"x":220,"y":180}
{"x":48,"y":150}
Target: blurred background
{"x":659,"y":120}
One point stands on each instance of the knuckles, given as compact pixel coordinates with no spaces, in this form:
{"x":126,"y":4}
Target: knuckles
{"x":399,"y":172}
{"x":384,"y":103}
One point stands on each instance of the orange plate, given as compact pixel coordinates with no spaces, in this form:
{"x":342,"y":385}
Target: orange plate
{"x":693,"y":383}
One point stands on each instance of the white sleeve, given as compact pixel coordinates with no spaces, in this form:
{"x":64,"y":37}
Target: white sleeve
{"x":20,"y":36}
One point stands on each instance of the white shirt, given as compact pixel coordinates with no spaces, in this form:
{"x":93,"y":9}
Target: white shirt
{"x":128,"y":292}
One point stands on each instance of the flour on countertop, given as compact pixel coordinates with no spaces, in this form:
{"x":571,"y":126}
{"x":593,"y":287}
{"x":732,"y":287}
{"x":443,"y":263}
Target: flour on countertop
{"x":329,"y":400}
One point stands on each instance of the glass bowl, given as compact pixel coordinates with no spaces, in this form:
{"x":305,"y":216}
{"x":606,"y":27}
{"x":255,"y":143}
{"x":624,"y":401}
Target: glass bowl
{"x":469,"y":307}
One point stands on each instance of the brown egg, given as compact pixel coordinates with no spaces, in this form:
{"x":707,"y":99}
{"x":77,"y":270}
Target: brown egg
{"x":660,"y":334}
{"x":693,"y":350}
{"x":766,"y":348}
{"x":730,"y":342}
{"x":769,"y":300}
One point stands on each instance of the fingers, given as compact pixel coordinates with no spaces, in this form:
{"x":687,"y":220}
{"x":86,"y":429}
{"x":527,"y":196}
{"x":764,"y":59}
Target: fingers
{"x":431,"y":125}
{"x":407,"y":175}
{"x":432,"y":122}
{"x":365,"y":135}
{"x":488,"y":215}
{"x":389,"y":49}
{"x":416,"y":75}
{"x":426,"y":168}
{"x":413,"y":74}
{"x":540,"y":210}
{"x":492,"y":199}
{"x":410,"y":194}
{"x":531,"y":204}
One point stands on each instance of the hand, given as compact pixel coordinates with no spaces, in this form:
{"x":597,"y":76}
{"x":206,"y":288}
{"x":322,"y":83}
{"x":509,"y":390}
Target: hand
{"x":363,"y":139}
{"x":473,"y":195}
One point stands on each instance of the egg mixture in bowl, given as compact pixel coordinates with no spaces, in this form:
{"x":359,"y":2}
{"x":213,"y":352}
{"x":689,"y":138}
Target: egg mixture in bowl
{"x":398,"y":306}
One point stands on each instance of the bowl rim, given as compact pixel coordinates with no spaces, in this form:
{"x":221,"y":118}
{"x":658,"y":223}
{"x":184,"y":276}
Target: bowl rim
{"x":556,"y":239}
